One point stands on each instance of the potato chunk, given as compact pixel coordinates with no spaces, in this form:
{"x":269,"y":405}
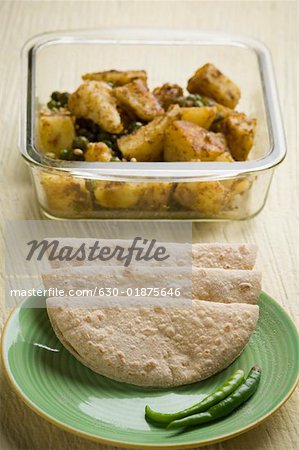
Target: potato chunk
{"x":240,"y":185}
{"x":98,"y":151}
{"x":225,"y":157}
{"x":116,"y":77}
{"x":237,"y":187}
{"x":94,"y":100}
{"x":222,"y":111}
{"x":168,"y":94}
{"x":66,"y":194}
{"x":117,"y":194}
{"x":239,"y":131}
{"x":209,"y":81}
{"x":145,"y":144}
{"x":185,"y":141}
{"x":202,"y":116}
{"x":155,"y":196}
{"x":207,"y":197}
{"x":136,"y":97}
{"x":55,"y":132}
{"x":141,"y":196}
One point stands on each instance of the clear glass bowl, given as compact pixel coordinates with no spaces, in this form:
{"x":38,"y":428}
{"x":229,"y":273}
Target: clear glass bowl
{"x":151,"y":190}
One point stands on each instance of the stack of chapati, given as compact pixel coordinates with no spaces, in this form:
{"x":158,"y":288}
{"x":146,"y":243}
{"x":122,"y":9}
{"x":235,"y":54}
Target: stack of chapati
{"x":162,"y":345}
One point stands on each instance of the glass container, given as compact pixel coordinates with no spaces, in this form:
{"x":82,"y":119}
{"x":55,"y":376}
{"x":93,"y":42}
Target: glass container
{"x":151,"y":190}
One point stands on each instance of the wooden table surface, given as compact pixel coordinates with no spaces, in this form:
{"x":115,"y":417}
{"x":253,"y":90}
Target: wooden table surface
{"x":274,"y":230}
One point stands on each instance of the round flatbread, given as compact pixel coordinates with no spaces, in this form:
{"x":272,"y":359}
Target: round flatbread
{"x":154,"y":346}
{"x":224,"y":256}
{"x":226,"y":286}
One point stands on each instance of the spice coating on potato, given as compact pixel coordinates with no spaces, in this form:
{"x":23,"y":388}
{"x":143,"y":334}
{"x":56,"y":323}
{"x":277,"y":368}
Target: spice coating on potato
{"x":225,"y":157}
{"x":145,"y":144}
{"x":94,"y":100}
{"x":141,"y":196}
{"x":207,"y":197}
{"x":116,"y":77}
{"x":201,"y":116}
{"x":98,"y":151}
{"x":237,"y":187}
{"x":168,"y":94}
{"x":239,"y":131}
{"x":209,"y":81}
{"x":65,"y":193}
{"x":117,"y":194}
{"x":156,"y":196}
{"x":136,"y":97}
{"x":185,"y":141}
{"x":240,"y":185}
{"x":55,"y":132}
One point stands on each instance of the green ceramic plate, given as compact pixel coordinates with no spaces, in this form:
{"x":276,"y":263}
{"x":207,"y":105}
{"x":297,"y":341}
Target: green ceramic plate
{"x":63,"y":391}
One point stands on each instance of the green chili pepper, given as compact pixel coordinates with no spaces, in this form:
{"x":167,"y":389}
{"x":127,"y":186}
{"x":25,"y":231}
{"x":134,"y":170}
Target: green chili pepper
{"x":220,"y":393}
{"x":226,"y":406}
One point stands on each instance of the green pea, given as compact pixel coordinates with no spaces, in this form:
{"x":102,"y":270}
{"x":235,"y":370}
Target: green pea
{"x":102,"y":136}
{"x":91,"y":137}
{"x":113,"y":137}
{"x":94,"y":127}
{"x":181,"y":100}
{"x":65,"y":154}
{"x":115,"y":159}
{"x":108,"y":143}
{"x":208,"y":102}
{"x":64,"y":98}
{"x":81,"y":131}
{"x":134,"y":126}
{"x":52,"y":104}
{"x":55,"y":96}
{"x":199,"y":103}
{"x":80,"y":142}
{"x":189,"y":103}
{"x":87,"y":134}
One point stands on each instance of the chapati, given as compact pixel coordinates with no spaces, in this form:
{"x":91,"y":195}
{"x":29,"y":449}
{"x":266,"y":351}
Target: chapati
{"x":224,"y":256}
{"x":155,"y":346}
{"x":227,"y":286}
